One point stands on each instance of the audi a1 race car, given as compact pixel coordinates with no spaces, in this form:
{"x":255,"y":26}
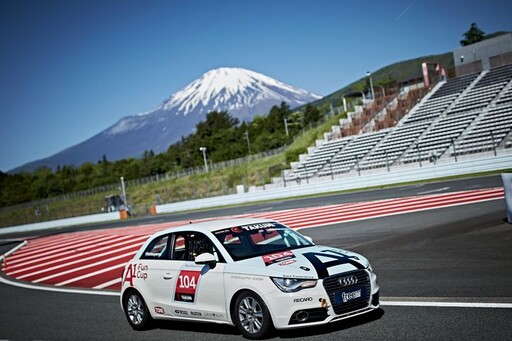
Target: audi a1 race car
{"x":252,"y":273}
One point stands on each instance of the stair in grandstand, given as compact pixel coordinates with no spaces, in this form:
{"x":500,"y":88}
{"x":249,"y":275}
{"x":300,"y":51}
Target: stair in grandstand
{"x":467,"y":114}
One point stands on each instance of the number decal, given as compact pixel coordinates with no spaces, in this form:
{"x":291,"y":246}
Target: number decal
{"x":186,"y":282}
{"x":277,"y":257}
{"x":186,"y":285}
{"x":337,"y":257}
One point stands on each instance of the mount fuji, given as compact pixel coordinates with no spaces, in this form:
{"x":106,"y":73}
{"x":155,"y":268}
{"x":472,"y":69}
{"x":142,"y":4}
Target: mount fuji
{"x":240,"y":92}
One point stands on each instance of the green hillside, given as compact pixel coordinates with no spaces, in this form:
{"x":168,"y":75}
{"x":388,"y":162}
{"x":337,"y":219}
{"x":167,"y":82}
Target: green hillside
{"x":397,"y":72}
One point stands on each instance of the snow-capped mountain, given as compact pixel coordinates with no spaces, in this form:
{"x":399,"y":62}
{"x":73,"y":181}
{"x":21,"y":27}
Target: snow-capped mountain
{"x":235,"y":90}
{"x":242,"y":93}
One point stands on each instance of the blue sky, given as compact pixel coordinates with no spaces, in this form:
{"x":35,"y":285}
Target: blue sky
{"x":70,"y":69}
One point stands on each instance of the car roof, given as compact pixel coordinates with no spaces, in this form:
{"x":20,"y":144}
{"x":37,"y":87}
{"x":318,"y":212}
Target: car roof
{"x":217,"y":224}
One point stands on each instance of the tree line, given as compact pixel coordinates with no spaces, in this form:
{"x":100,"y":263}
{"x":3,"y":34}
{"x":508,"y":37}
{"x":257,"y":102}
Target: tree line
{"x":223,"y":135}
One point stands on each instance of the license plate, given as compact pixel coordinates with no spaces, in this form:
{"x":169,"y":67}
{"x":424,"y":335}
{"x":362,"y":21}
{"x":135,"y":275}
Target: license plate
{"x":349,"y":295}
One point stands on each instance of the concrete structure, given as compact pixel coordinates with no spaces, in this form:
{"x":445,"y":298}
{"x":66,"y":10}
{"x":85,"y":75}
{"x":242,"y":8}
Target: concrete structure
{"x":484,"y":55}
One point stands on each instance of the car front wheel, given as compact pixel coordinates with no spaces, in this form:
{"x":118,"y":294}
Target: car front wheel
{"x":251,"y":315}
{"x":136,"y":311}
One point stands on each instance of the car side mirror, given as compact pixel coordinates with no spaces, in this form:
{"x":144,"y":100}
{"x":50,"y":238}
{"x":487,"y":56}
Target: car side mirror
{"x":309,"y":239}
{"x":206,"y":259}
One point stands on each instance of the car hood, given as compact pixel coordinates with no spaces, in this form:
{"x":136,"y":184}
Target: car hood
{"x":315,"y":262}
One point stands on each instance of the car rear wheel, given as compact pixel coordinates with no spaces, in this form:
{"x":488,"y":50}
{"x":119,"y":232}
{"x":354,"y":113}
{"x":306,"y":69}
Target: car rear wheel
{"x":136,"y":311}
{"x":251,"y":315}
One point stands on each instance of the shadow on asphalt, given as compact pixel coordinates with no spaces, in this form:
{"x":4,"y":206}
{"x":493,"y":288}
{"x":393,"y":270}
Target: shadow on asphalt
{"x":331,"y":327}
{"x":221,"y":329}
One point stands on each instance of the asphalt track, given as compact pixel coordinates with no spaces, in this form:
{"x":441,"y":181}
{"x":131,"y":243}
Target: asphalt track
{"x":460,"y":254}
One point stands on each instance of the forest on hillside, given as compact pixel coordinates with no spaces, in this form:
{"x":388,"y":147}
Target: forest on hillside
{"x":224,"y":137}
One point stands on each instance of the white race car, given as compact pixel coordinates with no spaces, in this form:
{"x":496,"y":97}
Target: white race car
{"x":252,"y":273}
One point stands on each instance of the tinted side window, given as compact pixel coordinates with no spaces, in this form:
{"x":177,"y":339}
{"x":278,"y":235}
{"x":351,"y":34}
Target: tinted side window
{"x":188,"y":245}
{"x":158,"y":249}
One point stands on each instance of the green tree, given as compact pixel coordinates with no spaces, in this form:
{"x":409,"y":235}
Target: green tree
{"x":473,"y":35}
{"x":275,"y":120}
{"x":311,"y":114}
{"x":216,"y":121}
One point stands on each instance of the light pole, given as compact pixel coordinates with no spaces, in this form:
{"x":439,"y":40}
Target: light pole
{"x":371,"y":84}
{"x":123,"y":188}
{"x":203,"y":149}
{"x":248,"y":141}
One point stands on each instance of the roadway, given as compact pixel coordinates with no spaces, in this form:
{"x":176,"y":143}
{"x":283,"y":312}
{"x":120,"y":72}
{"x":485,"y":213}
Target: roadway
{"x":458,"y":254}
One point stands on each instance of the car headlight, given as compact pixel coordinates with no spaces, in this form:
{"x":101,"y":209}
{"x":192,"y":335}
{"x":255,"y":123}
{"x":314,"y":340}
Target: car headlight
{"x":293,"y":284}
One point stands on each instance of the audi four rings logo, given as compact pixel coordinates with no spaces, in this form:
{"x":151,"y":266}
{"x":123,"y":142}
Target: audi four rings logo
{"x":349,"y":280}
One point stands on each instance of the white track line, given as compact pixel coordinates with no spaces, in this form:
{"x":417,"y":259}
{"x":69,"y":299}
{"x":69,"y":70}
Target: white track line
{"x":57,"y":289}
{"x":447,"y":304}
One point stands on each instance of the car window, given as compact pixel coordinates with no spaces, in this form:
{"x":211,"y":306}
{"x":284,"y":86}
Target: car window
{"x":188,"y":245}
{"x":248,"y":241}
{"x":157,"y":249}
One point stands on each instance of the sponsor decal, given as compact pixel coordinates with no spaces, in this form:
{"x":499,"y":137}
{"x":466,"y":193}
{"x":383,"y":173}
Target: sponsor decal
{"x":186,"y":285}
{"x":152,"y":254}
{"x":358,"y":293}
{"x":334,"y":257}
{"x":305,"y":268}
{"x":214,"y":315}
{"x":246,"y":278}
{"x":187,"y":298}
{"x":297,"y":276}
{"x":348,"y":296}
{"x":193,"y":266}
{"x":181,"y":312}
{"x":159,"y":310}
{"x":303,"y":299}
{"x":277,"y":257}
{"x":287,"y":262}
{"x":195,"y":313}
{"x":138,"y":271}
{"x":257,"y":226}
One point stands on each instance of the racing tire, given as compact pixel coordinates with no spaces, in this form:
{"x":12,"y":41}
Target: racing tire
{"x":136,"y":311}
{"x":251,"y":315}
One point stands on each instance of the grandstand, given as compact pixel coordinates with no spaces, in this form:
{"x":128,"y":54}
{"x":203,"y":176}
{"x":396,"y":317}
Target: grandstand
{"x":468,"y":114}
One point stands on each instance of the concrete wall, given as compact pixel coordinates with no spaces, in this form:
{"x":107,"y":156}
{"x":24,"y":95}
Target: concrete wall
{"x":95,"y":218}
{"x":428,"y":171}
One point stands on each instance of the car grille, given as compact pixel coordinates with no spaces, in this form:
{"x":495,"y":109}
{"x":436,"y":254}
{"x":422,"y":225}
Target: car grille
{"x":332,"y":285}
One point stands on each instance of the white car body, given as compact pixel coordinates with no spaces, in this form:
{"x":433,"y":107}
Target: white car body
{"x":344,"y":283}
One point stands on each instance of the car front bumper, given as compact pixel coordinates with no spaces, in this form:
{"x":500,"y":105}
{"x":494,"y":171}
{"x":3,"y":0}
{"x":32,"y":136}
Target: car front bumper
{"x":328,"y":301}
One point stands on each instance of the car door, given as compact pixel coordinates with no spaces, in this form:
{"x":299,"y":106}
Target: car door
{"x":198,"y":290}
{"x":155,"y":273}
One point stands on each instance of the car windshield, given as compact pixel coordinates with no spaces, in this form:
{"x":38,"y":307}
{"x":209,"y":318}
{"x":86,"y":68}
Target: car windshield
{"x":260,"y":239}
